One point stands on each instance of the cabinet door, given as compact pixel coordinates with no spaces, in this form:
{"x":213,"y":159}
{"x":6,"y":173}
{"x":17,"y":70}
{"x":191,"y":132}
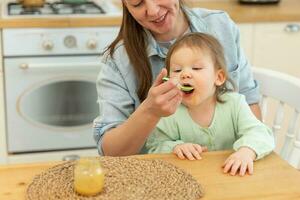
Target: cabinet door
{"x":277,"y":46}
{"x":246,"y":39}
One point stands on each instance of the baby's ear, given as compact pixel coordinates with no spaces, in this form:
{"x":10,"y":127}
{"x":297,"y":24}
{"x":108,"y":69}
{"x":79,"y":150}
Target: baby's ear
{"x":220,"y":77}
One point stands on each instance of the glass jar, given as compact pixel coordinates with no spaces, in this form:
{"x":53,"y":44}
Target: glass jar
{"x":88,"y":176}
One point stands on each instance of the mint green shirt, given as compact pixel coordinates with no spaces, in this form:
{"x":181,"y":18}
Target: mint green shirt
{"x":233,"y":126}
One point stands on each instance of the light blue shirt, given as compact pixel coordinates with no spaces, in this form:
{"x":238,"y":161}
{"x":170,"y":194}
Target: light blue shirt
{"x":117,"y":83}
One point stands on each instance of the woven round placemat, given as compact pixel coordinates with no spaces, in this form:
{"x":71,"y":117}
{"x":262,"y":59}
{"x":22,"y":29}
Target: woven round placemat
{"x":125,"y":179}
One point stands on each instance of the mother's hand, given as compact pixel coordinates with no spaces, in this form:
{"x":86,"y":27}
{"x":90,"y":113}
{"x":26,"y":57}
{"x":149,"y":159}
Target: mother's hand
{"x":163,"y":97}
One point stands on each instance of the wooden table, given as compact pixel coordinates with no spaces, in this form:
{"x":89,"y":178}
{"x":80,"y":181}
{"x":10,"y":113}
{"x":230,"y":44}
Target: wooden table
{"x":273,"y":178}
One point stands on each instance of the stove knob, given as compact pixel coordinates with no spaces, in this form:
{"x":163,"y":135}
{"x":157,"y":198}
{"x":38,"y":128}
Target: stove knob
{"x":91,"y":44}
{"x":48,"y":45}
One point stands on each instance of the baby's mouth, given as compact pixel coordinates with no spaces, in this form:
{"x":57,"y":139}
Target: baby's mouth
{"x":186,"y":88}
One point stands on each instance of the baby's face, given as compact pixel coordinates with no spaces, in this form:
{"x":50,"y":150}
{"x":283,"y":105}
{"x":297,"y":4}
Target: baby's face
{"x":194,"y":67}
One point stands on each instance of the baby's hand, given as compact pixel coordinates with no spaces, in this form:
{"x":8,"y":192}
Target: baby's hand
{"x":241,"y":160}
{"x":189,"y":150}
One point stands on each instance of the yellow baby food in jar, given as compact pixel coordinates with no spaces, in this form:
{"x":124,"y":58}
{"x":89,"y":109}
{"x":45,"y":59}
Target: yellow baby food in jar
{"x":88,"y":176}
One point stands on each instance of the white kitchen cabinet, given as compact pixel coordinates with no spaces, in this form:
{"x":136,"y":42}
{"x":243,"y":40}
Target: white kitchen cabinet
{"x":272,"y":45}
{"x":277,"y":46}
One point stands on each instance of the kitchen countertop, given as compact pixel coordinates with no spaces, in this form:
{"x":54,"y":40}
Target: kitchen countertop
{"x":273,"y":178}
{"x":286,"y":10}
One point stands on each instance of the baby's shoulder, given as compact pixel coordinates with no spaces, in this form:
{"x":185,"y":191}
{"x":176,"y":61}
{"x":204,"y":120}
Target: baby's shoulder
{"x":232,"y":103}
{"x":232,"y":98}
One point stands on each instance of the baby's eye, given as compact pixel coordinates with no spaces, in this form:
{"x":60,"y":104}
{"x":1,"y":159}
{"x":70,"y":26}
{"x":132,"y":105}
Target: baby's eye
{"x":177,"y":70}
{"x":197,"y":68}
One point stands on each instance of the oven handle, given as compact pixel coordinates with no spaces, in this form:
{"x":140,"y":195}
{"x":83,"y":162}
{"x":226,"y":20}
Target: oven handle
{"x":26,"y":66}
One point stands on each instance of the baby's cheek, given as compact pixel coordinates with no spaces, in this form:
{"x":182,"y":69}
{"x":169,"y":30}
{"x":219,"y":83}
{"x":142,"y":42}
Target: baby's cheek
{"x":174,"y":75}
{"x":174,"y":79}
{"x":195,"y":99}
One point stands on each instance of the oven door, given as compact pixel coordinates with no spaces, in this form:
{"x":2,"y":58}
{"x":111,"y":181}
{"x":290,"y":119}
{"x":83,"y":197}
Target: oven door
{"x":50,"y":102}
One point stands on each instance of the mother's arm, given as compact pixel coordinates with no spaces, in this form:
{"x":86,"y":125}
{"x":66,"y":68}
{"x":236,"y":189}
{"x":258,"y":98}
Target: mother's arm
{"x":128,"y":136}
{"x":247,"y":85}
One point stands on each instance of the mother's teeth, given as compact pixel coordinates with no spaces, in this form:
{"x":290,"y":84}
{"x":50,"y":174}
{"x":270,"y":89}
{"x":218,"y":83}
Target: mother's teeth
{"x":160,"y":19}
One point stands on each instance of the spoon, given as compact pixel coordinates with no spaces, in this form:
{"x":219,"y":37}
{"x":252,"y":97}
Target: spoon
{"x":181,"y":87}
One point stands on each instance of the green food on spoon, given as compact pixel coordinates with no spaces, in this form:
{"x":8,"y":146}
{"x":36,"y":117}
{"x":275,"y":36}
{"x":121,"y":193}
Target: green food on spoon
{"x":182,"y":88}
{"x":165,"y":79}
{"x":186,"y":88}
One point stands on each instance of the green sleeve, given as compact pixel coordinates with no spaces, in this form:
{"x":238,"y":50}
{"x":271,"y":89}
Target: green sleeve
{"x":164,"y":137}
{"x":251,"y":132}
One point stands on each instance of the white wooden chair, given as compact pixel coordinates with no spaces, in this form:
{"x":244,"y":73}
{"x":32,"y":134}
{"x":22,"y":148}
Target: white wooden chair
{"x":284,"y":90}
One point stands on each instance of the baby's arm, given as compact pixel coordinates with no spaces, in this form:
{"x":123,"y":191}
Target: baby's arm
{"x":159,"y":142}
{"x":163,"y":142}
{"x":254,"y":140}
{"x":241,"y":160}
{"x":165,"y":136}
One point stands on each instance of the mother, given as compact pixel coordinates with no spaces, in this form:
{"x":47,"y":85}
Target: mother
{"x":130,"y":102}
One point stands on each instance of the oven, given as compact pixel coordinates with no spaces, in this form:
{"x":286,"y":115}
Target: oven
{"x":50,"y":91}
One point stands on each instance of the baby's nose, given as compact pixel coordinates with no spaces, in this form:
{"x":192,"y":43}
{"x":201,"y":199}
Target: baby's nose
{"x":185,"y":75}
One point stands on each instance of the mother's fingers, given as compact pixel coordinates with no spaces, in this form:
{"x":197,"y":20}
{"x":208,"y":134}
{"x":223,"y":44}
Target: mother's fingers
{"x":158,"y":80}
{"x":174,"y":102}
{"x":164,"y":88}
{"x":170,"y":94}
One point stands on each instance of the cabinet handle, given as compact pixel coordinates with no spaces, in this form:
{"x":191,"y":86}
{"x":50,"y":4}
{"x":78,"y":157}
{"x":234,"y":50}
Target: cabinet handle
{"x":24,"y":66}
{"x":292,"y":28}
{"x":60,"y":66}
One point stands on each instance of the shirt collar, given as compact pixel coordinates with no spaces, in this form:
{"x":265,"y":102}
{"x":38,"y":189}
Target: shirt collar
{"x":153,"y":46}
{"x":197,"y":23}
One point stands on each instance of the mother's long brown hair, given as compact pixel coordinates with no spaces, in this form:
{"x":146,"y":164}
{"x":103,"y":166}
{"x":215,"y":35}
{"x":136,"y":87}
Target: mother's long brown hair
{"x":135,"y":41}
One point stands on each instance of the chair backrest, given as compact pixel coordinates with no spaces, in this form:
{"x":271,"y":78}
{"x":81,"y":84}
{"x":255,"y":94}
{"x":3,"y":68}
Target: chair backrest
{"x":283,"y":89}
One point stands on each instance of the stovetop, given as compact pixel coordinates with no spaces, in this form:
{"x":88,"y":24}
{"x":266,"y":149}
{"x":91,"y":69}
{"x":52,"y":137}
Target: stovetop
{"x":59,"y":8}
{"x":56,"y":8}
